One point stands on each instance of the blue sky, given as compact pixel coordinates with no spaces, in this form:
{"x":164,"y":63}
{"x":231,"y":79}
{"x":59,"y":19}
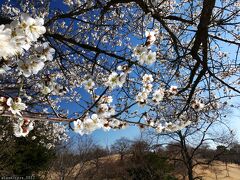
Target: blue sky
{"x":234,"y":120}
{"x":108,"y":138}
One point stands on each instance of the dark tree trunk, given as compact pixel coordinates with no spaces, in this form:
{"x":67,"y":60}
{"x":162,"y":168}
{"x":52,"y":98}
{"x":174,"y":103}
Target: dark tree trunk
{"x":190,"y":173}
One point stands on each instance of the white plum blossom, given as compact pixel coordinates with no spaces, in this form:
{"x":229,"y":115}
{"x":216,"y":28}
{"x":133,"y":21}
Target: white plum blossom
{"x":151,"y":122}
{"x":78,"y":126}
{"x":88,"y":124}
{"x":97,"y":121}
{"x":147,"y":78}
{"x":89,"y":85}
{"x":139,"y":50}
{"x":32,"y":28}
{"x":197,"y":105}
{"x":159,"y":128}
{"x":150,"y":57}
{"x":177,"y":125}
{"x":36,"y":65}
{"x":103,"y":108}
{"x":30,"y":66}
{"x":46,"y":90}
{"x":52,"y":87}
{"x":151,"y":36}
{"x":16,"y":105}
{"x":25,"y":68}
{"x":144,"y":56}
{"x":158,"y":96}
{"x":173,"y":90}
{"x":45,"y":51}
{"x":68,"y":2}
{"x":122,"y":78}
{"x":107,"y":99}
{"x":141,"y":97}
{"x":105,"y":111}
{"x":168,"y":126}
{"x":18,"y":37}
{"x":143,"y":53}
{"x":119,"y":68}
{"x":115,"y":80}
{"x":114,"y":123}
{"x":184,"y":124}
{"x":7,"y":47}
{"x":147,"y":88}
{"x":24,"y":32}
{"x":23,"y":127}
{"x":106,"y":126}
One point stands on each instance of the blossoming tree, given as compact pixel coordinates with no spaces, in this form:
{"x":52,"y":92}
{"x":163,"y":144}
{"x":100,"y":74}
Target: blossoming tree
{"x":110,"y":63}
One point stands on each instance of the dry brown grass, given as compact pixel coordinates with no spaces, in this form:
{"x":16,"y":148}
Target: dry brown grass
{"x":219,"y":171}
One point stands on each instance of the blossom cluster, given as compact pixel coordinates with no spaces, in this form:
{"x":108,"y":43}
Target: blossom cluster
{"x":142,"y":96}
{"x":157,"y":95}
{"x":19,"y":39}
{"x":96,"y":56}
{"x":118,"y":79}
{"x":164,"y":8}
{"x":40,"y":53}
{"x":143,"y":53}
{"x":172,"y":127}
{"x":197,"y":105}
{"x":89,"y":85}
{"x":46,"y":133}
{"x":102,"y":119}
{"x":55,"y":133}
{"x":22,"y":127}
{"x":20,"y":48}
{"x":50,"y":85}
{"x":15,"y":106}
{"x":19,"y":35}
{"x":163,"y":125}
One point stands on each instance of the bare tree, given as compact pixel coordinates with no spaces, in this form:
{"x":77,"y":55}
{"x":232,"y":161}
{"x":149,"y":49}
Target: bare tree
{"x":122,"y":147}
{"x":73,"y":158}
{"x":189,"y":147}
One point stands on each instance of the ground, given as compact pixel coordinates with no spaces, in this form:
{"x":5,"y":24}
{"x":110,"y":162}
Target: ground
{"x":218,"y":171}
